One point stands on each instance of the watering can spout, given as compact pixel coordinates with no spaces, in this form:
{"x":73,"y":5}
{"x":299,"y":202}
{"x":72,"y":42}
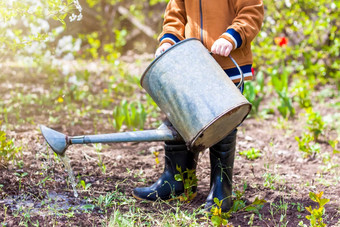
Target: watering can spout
{"x":59,"y":142}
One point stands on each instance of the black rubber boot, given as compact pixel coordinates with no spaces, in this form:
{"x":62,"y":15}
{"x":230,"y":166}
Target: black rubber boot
{"x":222,"y":162}
{"x":166,"y":187}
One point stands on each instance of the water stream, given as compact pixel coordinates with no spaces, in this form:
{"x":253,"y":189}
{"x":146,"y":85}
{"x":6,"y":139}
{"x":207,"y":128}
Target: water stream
{"x":67,"y":164}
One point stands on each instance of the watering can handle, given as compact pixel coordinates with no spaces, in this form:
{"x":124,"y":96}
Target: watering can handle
{"x":238,"y":67}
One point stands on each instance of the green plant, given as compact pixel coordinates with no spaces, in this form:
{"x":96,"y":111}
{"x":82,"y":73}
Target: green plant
{"x":20,"y":176}
{"x":240,"y":205}
{"x":253,"y":92}
{"x":299,"y":206}
{"x":334,"y":144}
{"x":219,"y":218}
{"x":4,"y":223}
{"x":270,"y":180}
{"x":106,"y":201}
{"x":189,"y":179}
{"x":279,"y":80}
{"x":302,"y":91}
{"x":251,"y":154}
{"x":132,"y":114}
{"x":281,"y":209}
{"x":99,"y":147}
{"x":8,"y":150}
{"x":300,"y":23}
{"x":84,"y":185}
{"x":285,"y":108}
{"x":308,"y":145}
{"x":315,"y":124}
{"x":316,"y":214}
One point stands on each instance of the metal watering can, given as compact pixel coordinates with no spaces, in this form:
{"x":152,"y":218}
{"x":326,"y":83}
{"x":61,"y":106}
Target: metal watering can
{"x":201,"y":102}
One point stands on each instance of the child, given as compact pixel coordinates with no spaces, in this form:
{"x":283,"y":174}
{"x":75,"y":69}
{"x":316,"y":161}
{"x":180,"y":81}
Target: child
{"x":224,"y":27}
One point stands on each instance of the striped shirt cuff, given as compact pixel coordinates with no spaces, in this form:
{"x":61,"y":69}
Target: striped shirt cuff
{"x":235,"y":36}
{"x":170,"y":38}
{"x":235,"y":75}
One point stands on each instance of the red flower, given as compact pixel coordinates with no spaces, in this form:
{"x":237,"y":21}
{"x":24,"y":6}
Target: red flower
{"x":281,"y":41}
{"x":253,"y":71}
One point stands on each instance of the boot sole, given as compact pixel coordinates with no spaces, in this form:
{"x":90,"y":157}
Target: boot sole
{"x":174,"y":198}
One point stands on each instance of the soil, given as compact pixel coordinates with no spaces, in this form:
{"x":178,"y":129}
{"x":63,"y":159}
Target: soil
{"x":45,"y":196}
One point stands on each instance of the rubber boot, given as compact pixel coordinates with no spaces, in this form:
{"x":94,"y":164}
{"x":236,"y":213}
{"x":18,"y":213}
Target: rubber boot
{"x":166,"y":187}
{"x":222,"y":162}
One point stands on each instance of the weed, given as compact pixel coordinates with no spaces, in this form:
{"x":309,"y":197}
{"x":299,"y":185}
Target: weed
{"x":8,"y":150}
{"x":299,"y":206}
{"x":251,"y":154}
{"x":315,"y":124}
{"x":302,"y":92}
{"x":20,"y":176}
{"x":270,"y":180}
{"x":132,"y":114}
{"x":219,"y":218}
{"x":119,"y":219}
{"x":316,"y":214}
{"x":333,"y":144}
{"x":280,"y":208}
{"x":279,"y":81}
{"x":84,"y":185}
{"x":308,"y":145}
{"x":189,"y":179}
{"x":106,"y":201}
{"x":253,"y":94}
{"x":331,"y":163}
{"x":285,"y":108}
{"x":98,"y":147}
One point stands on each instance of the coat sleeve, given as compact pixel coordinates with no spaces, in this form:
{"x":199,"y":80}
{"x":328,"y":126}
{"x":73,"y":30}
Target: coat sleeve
{"x":174,"y":22}
{"x":247,"y":23}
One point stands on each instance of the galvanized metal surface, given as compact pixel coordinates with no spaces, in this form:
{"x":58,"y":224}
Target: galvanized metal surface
{"x":59,"y":142}
{"x":198,"y":98}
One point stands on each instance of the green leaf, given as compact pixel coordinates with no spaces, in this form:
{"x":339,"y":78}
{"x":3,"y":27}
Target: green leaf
{"x":178,"y":177}
{"x":323,"y":202}
{"x":251,"y":208}
{"x":216,"y":220}
{"x":88,"y":206}
{"x":217,"y":202}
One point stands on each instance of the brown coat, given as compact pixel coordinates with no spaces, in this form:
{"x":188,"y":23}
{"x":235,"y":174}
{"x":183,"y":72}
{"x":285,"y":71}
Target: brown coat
{"x":209,"y":20}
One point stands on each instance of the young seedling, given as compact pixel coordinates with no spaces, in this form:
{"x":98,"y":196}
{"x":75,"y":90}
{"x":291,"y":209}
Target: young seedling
{"x":219,"y":218}
{"x":316,"y":214}
{"x":189,"y":179}
{"x":315,"y":124}
{"x":334,"y":144}
{"x":308,"y":145}
{"x":251,"y":154}
{"x":84,"y":185}
{"x":101,"y":164}
{"x":8,"y":150}
{"x":20,"y":176}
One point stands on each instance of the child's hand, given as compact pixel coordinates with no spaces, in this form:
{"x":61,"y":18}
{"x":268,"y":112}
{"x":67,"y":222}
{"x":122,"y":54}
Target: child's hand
{"x":162,"y":48}
{"x":222,"y":47}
